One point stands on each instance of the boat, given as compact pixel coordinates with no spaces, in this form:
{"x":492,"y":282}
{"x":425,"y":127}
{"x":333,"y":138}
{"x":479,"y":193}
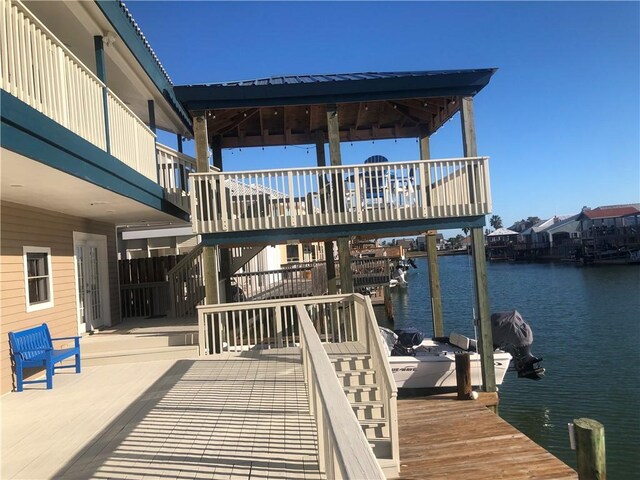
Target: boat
{"x":419,"y":363}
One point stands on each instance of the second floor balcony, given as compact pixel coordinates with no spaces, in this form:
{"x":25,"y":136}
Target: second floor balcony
{"x":412,"y":194}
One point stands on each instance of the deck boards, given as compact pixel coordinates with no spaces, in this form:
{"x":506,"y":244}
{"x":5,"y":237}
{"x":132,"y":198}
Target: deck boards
{"x":236,"y":416}
{"x":442,"y":438}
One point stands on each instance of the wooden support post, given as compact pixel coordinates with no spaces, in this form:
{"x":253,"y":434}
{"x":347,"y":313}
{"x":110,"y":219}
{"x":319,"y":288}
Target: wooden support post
{"x":209,"y":254}
{"x":463,"y":376}
{"x":434,"y":284}
{"x":483,"y":312}
{"x":388,"y":304}
{"x":432,"y":258}
{"x":332,"y":282}
{"x":225,"y":253}
{"x":590,"y":451}
{"x":344,"y":257}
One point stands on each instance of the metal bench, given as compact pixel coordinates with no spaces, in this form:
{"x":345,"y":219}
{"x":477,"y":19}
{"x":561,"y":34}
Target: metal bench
{"x":33,"y":348}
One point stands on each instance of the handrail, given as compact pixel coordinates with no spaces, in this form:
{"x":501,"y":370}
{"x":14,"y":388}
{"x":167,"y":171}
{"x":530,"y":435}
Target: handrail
{"x":345,"y":450}
{"x":186,"y":284}
{"x":346,"y":194}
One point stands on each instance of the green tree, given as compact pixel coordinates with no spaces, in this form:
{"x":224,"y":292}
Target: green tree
{"x":496,"y":222}
{"x":531,"y":221}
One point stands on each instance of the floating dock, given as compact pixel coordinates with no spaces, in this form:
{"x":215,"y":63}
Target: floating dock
{"x":445,"y":438}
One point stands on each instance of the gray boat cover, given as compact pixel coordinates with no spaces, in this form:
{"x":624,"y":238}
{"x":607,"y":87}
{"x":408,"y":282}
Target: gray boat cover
{"x":509,"y":328}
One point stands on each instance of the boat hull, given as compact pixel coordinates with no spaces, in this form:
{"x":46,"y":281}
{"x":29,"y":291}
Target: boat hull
{"x":434,"y":367}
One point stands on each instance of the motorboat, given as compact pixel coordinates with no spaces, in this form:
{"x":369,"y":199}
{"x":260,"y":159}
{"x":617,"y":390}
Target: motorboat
{"x":422,"y":363}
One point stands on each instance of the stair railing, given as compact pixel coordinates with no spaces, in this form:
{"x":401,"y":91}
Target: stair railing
{"x":186,"y":284}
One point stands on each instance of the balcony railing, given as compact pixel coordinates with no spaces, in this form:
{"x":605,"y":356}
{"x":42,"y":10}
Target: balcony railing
{"x":174,"y":169}
{"x":326,"y":196}
{"x":37,"y":68}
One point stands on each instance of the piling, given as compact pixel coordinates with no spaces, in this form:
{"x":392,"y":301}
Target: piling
{"x":463,"y":376}
{"x":388,"y":304}
{"x":590,"y":451}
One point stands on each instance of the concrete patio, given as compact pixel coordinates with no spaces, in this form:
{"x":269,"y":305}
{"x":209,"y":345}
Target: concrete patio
{"x":238,"y":416}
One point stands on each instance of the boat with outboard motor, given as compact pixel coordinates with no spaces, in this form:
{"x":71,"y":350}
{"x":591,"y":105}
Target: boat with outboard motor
{"x":422,"y":363}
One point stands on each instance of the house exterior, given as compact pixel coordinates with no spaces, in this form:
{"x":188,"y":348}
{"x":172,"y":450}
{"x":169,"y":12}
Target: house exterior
{"x":501,"y":244}
{"x":609,"y":231}
{"x":82,"y":97}
{"x":555,"y":237}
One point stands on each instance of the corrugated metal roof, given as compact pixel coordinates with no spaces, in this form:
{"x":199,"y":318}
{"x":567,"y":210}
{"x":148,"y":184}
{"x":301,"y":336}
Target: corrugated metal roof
{"x":239,"y":188}
{"x":502,"y":231}
{"x":332,"y":77}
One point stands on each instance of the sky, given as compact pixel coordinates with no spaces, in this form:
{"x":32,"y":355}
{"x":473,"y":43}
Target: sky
{"x":560,"y":120}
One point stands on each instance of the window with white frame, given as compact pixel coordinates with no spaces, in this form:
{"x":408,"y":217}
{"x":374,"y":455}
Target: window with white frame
{"x":38,"y":278}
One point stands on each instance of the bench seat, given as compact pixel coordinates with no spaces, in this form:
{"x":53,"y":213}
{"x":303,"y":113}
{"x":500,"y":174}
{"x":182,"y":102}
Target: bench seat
{"x":33,"y":348}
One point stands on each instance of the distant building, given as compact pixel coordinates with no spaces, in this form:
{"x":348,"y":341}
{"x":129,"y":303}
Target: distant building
{"x":609,"y":231}
{"x":501,"y":244}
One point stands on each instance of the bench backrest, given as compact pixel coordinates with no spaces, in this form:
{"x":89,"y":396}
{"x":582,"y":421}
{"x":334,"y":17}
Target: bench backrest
{"x":36,"y":340}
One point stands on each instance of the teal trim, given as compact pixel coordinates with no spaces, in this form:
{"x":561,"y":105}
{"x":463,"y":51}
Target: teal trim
{"x":116,"y":14}
{"x":31,"y":134}
{"x":317,"y":234}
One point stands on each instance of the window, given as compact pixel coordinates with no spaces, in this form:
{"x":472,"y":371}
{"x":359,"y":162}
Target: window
{"x":38,"y":278}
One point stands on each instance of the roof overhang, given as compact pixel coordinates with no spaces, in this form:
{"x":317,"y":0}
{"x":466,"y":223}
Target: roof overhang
{"x":371,"y":106}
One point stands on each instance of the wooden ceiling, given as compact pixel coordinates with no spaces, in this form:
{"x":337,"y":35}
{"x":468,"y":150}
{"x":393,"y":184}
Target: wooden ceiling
{"x":359,"y":121}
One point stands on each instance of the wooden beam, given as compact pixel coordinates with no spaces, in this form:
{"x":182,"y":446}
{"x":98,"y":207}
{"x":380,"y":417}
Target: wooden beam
{"x":202,"y":142}
{"x":344,"y":258}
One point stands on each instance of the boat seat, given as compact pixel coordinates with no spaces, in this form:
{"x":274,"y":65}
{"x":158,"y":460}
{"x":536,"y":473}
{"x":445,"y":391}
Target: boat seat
{"x":460,"y":341}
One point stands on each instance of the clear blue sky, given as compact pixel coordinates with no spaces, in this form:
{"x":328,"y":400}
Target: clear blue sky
{"x":560,"y":119}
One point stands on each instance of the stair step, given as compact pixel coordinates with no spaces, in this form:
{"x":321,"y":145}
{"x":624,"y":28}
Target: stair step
{"x":362,"y":393}
{"x":381,"y":447}
{"x":390,"y":467}
{"x":368,"y":410}
{"x":139,"y":355}
{"x":351,"y":362}
{"x":375,"y":429}
{"x":357,"y":378}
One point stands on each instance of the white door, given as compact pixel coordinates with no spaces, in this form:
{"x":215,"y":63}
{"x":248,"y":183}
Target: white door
{"x":91,"y":280}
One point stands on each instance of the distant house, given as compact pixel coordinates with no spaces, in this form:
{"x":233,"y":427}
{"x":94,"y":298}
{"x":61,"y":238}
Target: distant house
{"x":544,"y":236}
{"x":609,"y":229}
{"x":501,"y":244}
{"x":407,"y":243}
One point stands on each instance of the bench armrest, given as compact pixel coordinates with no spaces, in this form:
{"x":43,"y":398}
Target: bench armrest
{"x":76,"y":340}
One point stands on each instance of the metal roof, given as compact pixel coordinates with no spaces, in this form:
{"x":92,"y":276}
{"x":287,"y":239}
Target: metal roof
{"x":333,"y":88}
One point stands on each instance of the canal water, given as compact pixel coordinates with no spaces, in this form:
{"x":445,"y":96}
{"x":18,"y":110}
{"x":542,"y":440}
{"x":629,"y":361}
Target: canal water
{"x":586,"y":326}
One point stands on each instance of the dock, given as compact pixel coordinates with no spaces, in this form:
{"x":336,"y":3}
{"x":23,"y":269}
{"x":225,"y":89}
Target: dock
{"x":442,"y":437}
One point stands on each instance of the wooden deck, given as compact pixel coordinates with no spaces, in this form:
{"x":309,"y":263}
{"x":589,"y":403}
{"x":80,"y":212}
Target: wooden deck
{"x":241,"y":416}
{"x":442,"y":438}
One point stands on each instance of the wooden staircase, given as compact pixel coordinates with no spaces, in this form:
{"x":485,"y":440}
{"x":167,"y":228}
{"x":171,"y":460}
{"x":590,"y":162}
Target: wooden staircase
{"x":359,"y":383}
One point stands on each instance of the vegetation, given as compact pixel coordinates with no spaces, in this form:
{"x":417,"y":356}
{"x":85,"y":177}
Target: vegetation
{"x":496,"y":222}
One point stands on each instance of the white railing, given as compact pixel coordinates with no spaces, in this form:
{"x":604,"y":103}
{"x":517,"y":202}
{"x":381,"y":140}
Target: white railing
{"x":37,"y":68}
{"x":325,"y":196}
{"x":131,"y":141}
{"x":174,"y":169}
{"x":344,"y":451}
{"x":386,"y":383}
{"x":266,"y":324}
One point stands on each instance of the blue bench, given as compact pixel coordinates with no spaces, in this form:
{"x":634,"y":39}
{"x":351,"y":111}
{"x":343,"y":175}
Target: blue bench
{"x":33,"y":348}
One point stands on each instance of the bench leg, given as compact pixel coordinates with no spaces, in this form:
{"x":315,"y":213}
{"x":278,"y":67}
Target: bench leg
{"x":50,"y":369}
{"x":19,"y":378}
{"x":78,"y":363}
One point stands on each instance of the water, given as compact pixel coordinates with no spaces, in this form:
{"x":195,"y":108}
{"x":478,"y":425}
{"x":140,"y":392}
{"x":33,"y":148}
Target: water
{"x":586,"y":325}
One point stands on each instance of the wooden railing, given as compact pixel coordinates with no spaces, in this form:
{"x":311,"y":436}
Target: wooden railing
{"x":186,"y":284}
{"x":307,"y":323}
{"x":343,"y":449}
{"x":174,"y":169}
{"x":37,"y":68}
{"x":131,"y":141}
{"x":325,"y":196}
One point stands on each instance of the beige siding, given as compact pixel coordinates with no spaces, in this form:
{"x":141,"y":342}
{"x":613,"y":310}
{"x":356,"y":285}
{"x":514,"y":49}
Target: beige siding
{"x":26,"y":226}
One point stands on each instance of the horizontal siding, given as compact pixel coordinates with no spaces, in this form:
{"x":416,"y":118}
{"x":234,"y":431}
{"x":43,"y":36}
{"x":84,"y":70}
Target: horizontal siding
{"x":26,"y":226}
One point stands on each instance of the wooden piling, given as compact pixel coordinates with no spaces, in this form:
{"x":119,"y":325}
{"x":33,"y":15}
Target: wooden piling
{"x":463,"y":376}
{"x":590,"y":449}
{"x":388,"y":304}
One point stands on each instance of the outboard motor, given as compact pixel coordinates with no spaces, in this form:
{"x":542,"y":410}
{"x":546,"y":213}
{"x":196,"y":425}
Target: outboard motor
{"x":408,"y":338}
{"x":513,"y":335}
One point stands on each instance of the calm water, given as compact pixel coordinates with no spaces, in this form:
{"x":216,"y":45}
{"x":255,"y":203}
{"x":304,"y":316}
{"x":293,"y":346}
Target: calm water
{"x":586,"y":325}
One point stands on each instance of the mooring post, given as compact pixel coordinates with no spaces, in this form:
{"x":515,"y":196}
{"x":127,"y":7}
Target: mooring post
{"x":590,"y":451}
{"x":388,"y":304}
{"x":463,"y":376}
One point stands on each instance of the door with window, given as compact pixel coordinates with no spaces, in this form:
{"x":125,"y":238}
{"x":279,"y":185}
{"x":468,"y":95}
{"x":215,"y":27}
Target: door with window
{"x":91,"y":280}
